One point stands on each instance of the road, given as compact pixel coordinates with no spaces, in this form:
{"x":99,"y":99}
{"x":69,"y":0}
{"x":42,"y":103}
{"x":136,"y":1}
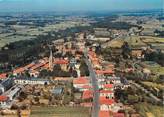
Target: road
{"x":95,"y":109}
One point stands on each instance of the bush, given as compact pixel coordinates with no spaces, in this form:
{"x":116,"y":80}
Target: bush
{"x":132,"y":99}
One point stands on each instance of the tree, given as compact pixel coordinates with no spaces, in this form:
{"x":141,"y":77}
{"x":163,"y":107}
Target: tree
{"x":27,"y":74}
{"x":84,"y":69}
{"x":37,"y":99}
{"x":132,"y":99}
{"x":23,"y":95}
{"x":126,"y":50}
{"x":57,"y":67}
{"x":44,"y":73}
{"x":74,"y":73}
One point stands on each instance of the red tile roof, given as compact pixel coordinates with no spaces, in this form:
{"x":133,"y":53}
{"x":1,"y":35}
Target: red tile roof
{"x":46,"y":66}
{"x":106,"y":91}
{"x":29,"y":65}
{"x":105,"y":71}
{"x":3,"y":98}
{"x":22,"y":69}
{"x":37,"y":66}
{"x":86,"y":104}
{"x":104,"y":114}
{"x":87,"y":94}
{"x":91,"y":53}
{"x":81,"y":80}
{"x":118,"y":115}
{"x":87,"y":87}
{"x":106,"y":101}
{"x":108,"y":85}
{"x":3,"y":76}
{"x":19,"y":70}
{"x":61,"y":61}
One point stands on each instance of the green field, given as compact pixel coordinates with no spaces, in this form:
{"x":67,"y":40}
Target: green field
{"x":157,"y":70}
{"x":59,"y":112}
{"x":154,"y":85}
{"x":149,"y":39}
{"x":149,"y":110}
{"x":10,"y":39}
{"x":135,"y":41}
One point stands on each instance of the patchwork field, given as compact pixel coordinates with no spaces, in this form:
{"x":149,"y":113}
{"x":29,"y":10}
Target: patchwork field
{"x":10,"y":39}
{"x":135,"y":41}
{"x":149,"y":39}
{"x":59,"y":112}
{"x":149,"y":110}
{"x":154,"y":85}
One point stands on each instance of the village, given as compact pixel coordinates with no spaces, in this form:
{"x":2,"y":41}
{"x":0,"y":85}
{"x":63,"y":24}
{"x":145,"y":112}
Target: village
{"x":79,"y":74}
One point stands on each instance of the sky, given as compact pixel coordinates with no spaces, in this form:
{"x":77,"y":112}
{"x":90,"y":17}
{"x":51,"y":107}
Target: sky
{"x":79,"y":5}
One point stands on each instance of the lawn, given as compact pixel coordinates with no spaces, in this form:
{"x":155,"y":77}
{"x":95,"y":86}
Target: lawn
{"x":59,"y":112}
{"x":149,"y":110}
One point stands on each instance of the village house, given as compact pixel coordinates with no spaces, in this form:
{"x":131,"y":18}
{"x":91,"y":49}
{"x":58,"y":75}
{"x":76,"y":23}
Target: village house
{"x":137,"y":53}
{"x":59,"y":44}
{"x":86,"y":87}
{"x":108,"y":87}
{"x":86,"y":104}
{"x":34,"y":73}
{"x":106,"y":104}
{"x":3,"y":101}
{"x":101,"y":73}
{"x":3,"y":76}
{"x":104,"y":113}
{"x":107,"y":93}
{"x":62,"y":62}
{"x":113,"y":80}
{"x":88,"y":94}
{"x":80,"y":82}
{"x":32,"y":81}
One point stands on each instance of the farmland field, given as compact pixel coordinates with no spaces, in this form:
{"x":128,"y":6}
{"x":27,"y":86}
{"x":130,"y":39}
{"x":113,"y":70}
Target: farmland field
{"x":148,"y":39}
{"x":9,"y":39}
{"x":154,"y":85}
{"x":59,"y":112}
{"x":149,"y":110}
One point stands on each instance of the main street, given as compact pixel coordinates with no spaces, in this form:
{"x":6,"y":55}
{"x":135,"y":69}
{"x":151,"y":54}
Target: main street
{"x":95,"y":109}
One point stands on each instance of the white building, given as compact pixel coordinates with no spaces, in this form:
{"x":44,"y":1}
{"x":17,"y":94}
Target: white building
{"x":32,"y":81}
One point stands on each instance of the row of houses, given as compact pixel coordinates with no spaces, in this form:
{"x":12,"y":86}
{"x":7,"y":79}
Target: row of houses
{"x":107,"y":82}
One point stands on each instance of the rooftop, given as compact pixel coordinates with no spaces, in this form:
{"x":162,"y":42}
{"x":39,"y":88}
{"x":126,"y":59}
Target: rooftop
{"x":104,"y":114}
{"x":105,"y":71}
{"x":86,"y":104}
{"x":105,"y":101}
{"x":118,"y":115}
{"x":87,"y":94}
{"x":81,"y":80}
{"x":3,"y":76}
{"x":3,"y":98}
{"x":108,"y":85}
{"x":61,"y":61}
